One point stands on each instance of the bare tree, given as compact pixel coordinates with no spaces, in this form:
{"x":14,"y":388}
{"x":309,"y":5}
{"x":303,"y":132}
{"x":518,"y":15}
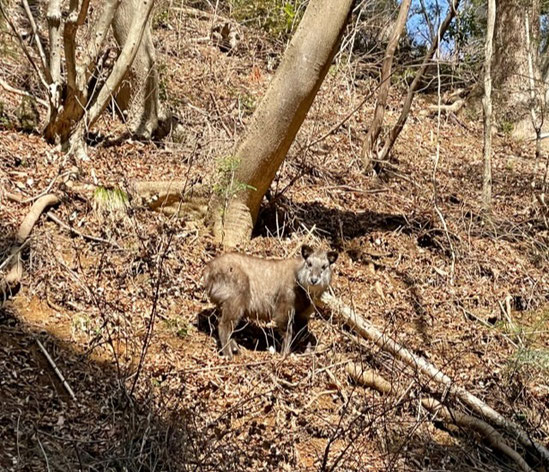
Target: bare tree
{"x":381,"y":103}
{"x":67,"y":72}
{"x":399,"y":125}
{"x":277,"y":119}
{"x":487,"y":107}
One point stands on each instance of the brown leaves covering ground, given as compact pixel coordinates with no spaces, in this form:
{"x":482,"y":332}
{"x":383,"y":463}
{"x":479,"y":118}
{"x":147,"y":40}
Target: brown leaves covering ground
{"x":96,"y":307}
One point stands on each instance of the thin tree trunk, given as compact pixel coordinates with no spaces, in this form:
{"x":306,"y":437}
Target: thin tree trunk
{"x":487,"y":107}
{"x":278,"y":118}
{"x":381,"y":103}
{"x":395,"y":131}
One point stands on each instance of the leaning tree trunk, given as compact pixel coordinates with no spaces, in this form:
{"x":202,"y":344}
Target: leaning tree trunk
{"x":381,"y":103}
{"x":277,"y":119}
{"x":511,"y":96}
{"x":138,"y":96}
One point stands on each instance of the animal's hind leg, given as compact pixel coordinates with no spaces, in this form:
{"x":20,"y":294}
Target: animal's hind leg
{"x":225,"y":329}
{"x":231,"y":313}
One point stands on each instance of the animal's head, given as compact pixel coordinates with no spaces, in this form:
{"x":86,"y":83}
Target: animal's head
{"x":316,"y":273}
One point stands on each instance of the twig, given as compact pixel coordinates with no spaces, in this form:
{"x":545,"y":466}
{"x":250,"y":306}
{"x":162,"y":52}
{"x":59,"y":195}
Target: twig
{"x":52,"y":216}
{"x":44,"y":453}
{"x":56,"y":369}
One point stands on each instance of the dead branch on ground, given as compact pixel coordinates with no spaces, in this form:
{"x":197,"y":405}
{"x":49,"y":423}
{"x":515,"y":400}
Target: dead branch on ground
{"x":355,"y":321}
{"x":374,"y":380}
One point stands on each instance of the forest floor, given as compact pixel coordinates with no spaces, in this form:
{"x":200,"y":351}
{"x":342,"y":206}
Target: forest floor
{"x":126,"y":321}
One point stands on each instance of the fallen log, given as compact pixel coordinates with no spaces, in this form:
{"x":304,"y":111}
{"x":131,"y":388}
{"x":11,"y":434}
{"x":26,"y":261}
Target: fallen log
{"x":368,"y":331}
{"x":372,"y":379}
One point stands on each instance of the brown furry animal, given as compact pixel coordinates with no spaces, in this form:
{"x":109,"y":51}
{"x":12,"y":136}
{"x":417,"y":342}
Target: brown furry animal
{"x":279,"y":290}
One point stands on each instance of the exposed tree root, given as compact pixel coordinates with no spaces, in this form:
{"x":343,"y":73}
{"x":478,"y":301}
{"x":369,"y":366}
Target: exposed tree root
{"x":172,"y":198}
{"x":15,"y":272}
{"x":370,"y":378}
{"x":366,"y":330}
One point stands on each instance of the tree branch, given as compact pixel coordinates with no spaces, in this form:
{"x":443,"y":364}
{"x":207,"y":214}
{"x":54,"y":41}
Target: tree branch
{"x":395,"y":131}
{"x":8,"y":88}
{"x":25,"y":49}
{"x":100,"y":28}
{"x":372,"y":379}
{"x":37,"y":39}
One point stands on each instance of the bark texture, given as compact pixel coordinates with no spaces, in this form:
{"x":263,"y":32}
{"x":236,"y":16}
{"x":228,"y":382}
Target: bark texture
{"x":138,"y":96}
{"x":511,"y":96}
{"x":278,"y":118}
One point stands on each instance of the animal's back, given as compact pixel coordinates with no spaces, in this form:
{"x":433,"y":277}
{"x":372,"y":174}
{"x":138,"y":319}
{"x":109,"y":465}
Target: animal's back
{"x":259,"y":283}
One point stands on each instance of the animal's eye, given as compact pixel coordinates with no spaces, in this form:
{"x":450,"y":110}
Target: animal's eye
{"x":325,"y":266}
{"x":309,"y":264}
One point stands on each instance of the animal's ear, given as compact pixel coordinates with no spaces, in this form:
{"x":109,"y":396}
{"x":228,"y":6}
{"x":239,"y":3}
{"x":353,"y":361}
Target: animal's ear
{"x":306,"y":251}
{"x":332,"y":256}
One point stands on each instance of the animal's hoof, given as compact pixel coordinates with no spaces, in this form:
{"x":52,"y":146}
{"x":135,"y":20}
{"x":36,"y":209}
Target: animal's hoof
{"x":234,"y":347}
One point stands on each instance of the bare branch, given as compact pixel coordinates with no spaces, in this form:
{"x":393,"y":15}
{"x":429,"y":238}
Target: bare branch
{"x":397,"y":128}
{"x":56,"y":369}
{"x":23,"y":93}
{"x":100,"y":28}
{"x":427,"y":20}
{"x":37,"y":38}
{"x":24,"y":47}
{"x":385,"y":83}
